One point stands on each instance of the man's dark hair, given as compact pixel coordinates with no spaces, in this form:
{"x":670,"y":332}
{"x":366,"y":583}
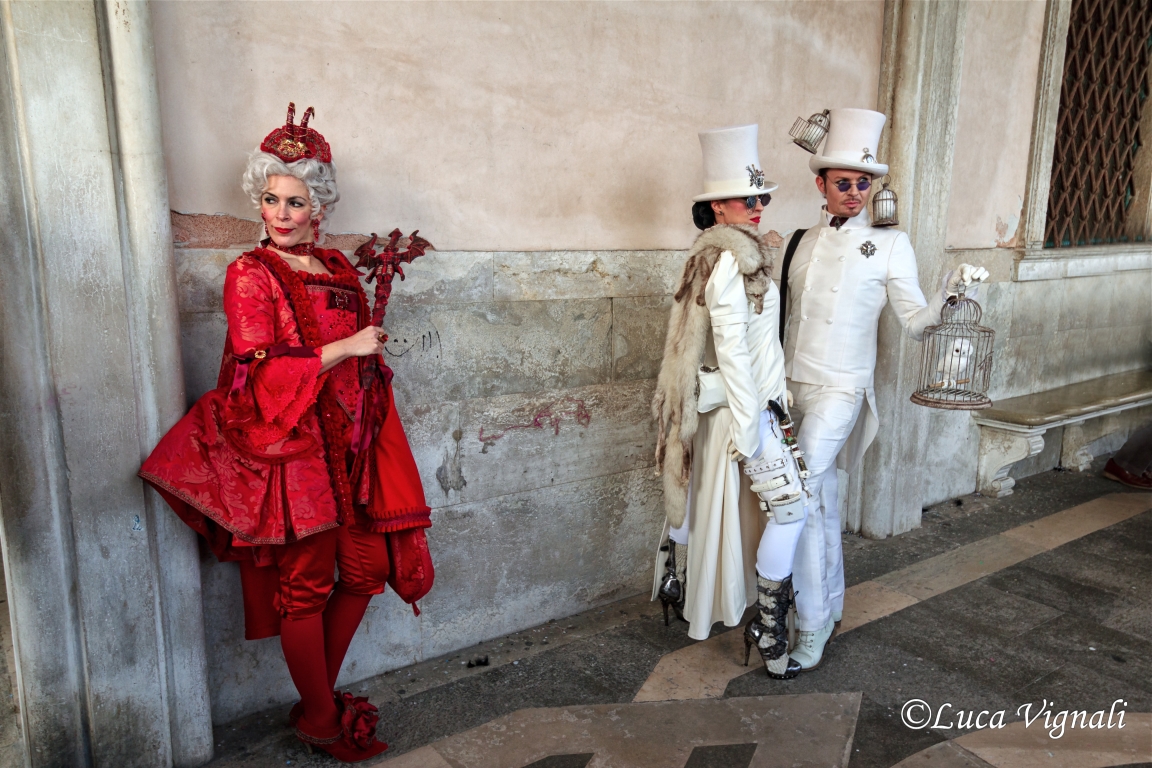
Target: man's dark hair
{"x":702,"y":214}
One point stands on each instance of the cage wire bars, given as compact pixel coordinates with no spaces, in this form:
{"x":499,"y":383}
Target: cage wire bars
{"x":956,"y":366}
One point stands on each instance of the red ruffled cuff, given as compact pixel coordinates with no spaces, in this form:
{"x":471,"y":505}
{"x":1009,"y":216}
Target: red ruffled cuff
{"x":402,"y":521}
{"x":277,"y":394}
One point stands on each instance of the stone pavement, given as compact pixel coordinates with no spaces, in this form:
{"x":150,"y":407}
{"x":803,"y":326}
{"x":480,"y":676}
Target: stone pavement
{"x":992,"y":604}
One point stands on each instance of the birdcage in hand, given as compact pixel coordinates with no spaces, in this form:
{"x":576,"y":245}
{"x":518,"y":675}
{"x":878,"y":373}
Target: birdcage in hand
{"x":957,"y":365}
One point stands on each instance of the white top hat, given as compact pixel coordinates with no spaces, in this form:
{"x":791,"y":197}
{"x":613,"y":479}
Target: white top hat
{"x":853,"y":136}
{"x":732,"y":164}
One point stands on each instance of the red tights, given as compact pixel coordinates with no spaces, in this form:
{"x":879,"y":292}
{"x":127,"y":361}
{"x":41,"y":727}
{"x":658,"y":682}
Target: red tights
{"x":303,"y":644}
{"x":326,"y":636}
{"x":342,"y":616}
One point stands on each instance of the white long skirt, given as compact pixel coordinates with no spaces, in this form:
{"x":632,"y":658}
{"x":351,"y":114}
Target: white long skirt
{"x":725,"y":525}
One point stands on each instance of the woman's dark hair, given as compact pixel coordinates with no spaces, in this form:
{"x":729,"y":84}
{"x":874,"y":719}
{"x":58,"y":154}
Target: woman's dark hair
{"x":702,"y":214}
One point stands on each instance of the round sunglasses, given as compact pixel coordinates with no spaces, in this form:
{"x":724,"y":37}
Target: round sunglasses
{"x":750,"y":202}
{"x":844,"y":185}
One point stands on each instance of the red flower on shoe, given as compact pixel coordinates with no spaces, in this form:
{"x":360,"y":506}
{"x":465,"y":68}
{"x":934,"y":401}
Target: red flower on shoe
{"x":358,"y":719}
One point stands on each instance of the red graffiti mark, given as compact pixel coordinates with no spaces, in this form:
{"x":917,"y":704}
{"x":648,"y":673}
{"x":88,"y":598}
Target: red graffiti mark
{"x":549,"y":416}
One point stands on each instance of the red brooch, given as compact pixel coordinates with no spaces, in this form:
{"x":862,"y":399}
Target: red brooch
{"x":296,"y":142}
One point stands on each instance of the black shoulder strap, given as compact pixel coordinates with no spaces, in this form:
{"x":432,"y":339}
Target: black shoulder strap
{"x":788,"y":254}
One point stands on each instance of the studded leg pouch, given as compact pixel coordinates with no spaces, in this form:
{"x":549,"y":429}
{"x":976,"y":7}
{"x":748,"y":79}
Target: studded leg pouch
{"x":787,"y":507}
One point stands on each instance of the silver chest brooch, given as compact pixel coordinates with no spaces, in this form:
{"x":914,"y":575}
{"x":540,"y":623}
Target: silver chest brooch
{"x":868,"y":249}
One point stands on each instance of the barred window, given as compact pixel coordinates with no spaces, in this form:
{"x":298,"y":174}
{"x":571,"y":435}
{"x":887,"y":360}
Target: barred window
{"x":1104,"y":91}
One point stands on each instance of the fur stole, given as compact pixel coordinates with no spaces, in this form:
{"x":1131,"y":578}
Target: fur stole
{"x":674,"y":404}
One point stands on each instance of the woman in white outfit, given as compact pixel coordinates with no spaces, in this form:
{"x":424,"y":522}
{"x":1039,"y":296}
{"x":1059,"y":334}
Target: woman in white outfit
{"x":734,"y":494}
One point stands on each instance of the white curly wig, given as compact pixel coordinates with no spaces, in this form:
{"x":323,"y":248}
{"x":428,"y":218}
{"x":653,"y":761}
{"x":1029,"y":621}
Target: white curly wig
{"x":320,"y":178}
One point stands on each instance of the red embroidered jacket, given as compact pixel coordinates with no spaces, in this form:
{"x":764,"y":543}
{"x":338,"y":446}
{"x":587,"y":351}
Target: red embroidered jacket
{"x":267,"y":457}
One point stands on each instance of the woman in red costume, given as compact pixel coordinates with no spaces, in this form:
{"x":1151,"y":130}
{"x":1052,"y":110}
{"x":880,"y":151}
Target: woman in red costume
{"x":296,"y":465}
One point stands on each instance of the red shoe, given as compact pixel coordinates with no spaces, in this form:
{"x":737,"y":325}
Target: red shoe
{"x":357,"y":738}
{"x":1113,"y":471}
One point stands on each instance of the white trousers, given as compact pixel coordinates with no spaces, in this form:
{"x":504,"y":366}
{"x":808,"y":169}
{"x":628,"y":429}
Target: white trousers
{"x":824,"y":418}
{"x":777,"y":550}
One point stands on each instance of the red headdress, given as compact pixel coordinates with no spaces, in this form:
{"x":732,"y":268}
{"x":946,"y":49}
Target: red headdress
{"x":296,"y":142}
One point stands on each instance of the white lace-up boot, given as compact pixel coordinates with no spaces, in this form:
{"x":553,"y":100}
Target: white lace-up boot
{"x":809,"y":650}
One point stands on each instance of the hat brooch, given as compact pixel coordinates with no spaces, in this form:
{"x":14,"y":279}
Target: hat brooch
{"x":755,"y":177}
{"x":867,"y":158}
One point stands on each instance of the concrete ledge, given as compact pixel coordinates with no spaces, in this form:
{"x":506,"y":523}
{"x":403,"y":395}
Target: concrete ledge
{"x":1058,"y":263}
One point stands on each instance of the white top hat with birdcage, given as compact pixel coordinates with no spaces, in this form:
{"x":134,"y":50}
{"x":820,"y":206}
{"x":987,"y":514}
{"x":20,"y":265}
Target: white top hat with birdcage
{"x":732,"y":164}
{"x":853,"y":138}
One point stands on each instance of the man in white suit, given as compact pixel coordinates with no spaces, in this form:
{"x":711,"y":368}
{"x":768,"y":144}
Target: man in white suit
{"x":837,"y":277}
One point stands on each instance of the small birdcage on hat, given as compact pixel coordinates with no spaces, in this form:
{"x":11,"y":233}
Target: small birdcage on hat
{"x":957,"y":365}
{"x":807,"y":134}
{"x":884,"y":211}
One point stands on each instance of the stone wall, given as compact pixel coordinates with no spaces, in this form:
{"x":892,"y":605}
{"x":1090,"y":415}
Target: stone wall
{"x":523,"y":380}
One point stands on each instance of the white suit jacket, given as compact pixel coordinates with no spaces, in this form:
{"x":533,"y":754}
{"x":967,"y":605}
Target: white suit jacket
{"x":745,"y":346}
{"x":838,"y":283}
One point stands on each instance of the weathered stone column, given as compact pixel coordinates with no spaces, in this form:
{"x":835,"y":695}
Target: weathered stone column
{"x":103,"y":582}
{"x":920,"y":92}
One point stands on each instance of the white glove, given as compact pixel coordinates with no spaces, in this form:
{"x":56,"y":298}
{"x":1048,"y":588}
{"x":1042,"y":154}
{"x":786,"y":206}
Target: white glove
{"x":964,"y":275}
{"x":789,"y":398}
{"x":734,"y":452}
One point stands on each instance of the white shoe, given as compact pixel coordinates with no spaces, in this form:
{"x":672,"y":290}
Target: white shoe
{"x":809,"y":649}
{"x":837,"y":616}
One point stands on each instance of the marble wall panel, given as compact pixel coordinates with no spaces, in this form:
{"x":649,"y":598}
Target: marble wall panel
{"x":528,"y":276}
{"x":1064,"y":358}
{"x":996,"y":301}
{"x":947,"y":468}
{"x":1035,"y":308}
{"x":459,"y":351}
{"x":639,"y":326}
{"x":202,"y":344}
{"x":1017,"y":367}
{"x":200,"y":277}
{"x":445,"y":277}
{"x":540,"y":554}
{"x":1130,"y":302}
{"x":1084,"y":302}
{"x":486,"y":448}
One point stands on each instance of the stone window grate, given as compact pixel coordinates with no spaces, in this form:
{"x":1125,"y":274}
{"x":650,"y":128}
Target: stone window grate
{"x":1105,"y":87}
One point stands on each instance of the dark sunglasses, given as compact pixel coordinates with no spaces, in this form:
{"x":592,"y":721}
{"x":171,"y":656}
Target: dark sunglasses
{"x":844,"y":185}
{"x":750,"y":202}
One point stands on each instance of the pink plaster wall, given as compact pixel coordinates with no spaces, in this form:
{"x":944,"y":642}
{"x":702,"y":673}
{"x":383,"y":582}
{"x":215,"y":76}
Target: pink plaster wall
{"x":997,"y":94}
{"x":509,"y":126}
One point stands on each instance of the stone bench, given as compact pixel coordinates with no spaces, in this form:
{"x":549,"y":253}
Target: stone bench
{"x":1013,"y":429}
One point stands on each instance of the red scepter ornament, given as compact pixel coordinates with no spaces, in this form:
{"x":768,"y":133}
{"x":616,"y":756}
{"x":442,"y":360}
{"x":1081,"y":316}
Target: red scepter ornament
{"x":384,"y":266}
{"x":374,"y":373}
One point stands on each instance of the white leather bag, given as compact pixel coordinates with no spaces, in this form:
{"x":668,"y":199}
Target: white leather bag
{"x":710,"y":392}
